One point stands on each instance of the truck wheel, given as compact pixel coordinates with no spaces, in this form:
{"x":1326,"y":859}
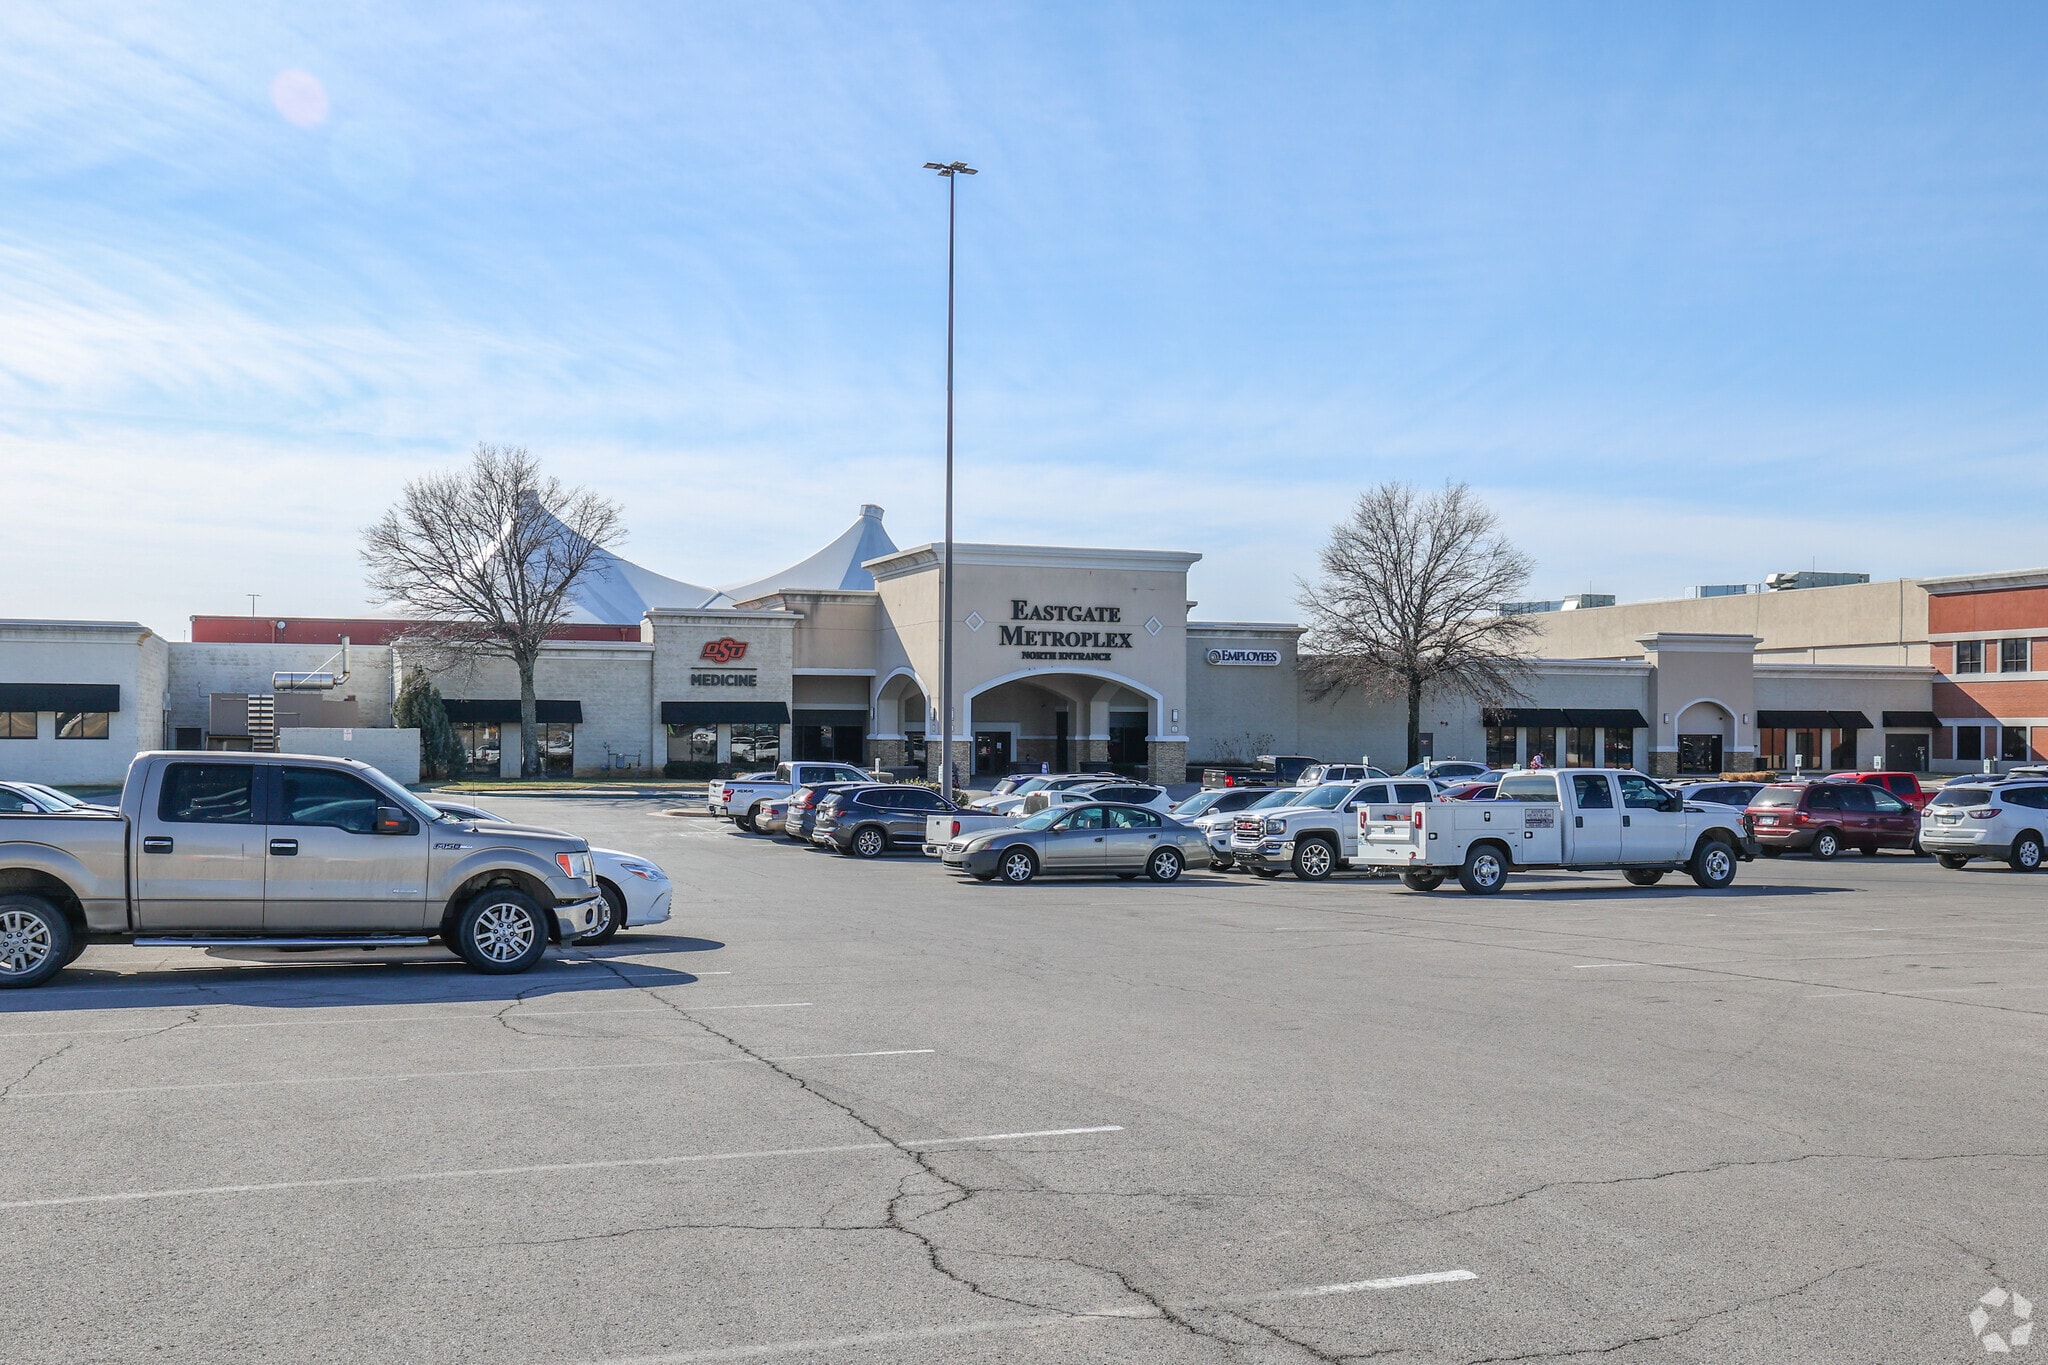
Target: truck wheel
{"x":2026,"y":852}
{"x":1643,"y":876}
{"x":870,"y":841}
{"x":1314,"y":859}
{"x":1422,"y":881}
{"x":1953,"y":862}
{"x":1827,"y":844}
{"x":1713,"y":864}
{"x":1773,"y":851}
{"x":1164,"y":866}
{"x":613,"y":919}
{"x":1221,"y":862}
{"x":35,"y":941}
{"x":1017,"y":866}
{"x":501,"y":930}
{"x":746,"y":822}
{"x":1485,"y":870}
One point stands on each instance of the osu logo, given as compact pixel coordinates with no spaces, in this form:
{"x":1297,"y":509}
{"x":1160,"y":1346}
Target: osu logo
{"x":725,"y":651}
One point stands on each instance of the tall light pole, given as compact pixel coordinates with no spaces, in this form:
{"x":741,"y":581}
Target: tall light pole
{"x":952,"y":171}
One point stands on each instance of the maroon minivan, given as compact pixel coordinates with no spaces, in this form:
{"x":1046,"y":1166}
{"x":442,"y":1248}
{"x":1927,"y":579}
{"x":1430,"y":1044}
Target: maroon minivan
{"x":1823,"y":818}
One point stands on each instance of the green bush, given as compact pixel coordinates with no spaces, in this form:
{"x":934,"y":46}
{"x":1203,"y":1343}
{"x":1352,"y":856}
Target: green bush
{"x":419,"y":707}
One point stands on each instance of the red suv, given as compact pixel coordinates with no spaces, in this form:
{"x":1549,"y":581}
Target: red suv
{"x":1905,"y":786}
{"x":1823,"y":818}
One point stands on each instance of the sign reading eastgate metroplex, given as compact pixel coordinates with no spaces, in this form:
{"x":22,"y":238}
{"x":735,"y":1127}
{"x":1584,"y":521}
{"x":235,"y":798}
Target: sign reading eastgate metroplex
{"x":1087,"y":645}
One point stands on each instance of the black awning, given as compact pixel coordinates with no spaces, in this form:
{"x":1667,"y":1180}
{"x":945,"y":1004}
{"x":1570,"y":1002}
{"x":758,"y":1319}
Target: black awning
{"x":1849,"y":720}
{"x":1527,"y":715}
{"x":60,"y":696}
{"x":1795,"y":720}
{"x":485,"y":710}
{"x":1614,"y":718}
{"x":1911,"y":720}
{"x":824,"y":715}
{"x":725,"y":713}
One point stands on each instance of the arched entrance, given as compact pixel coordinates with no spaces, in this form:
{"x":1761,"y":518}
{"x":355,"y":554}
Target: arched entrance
{"x":1059,"y":721}
{"x":1706,"y":735}
{"x":901,"y":712}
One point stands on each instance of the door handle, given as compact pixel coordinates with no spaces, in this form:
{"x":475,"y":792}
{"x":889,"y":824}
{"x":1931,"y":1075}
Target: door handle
{"x":156,"y":843}
{"x":1098,"y":838}
{"x":1578,"y":822}
{"x":284,"y":848}
{"x":1625,"y":824}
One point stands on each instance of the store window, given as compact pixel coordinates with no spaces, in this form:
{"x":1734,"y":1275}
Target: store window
{"x":1619,"y":746}
{"x":17,"y":725}
{"x":2012,"y":656}
{"x":2012,"y":743}
{"x":82,"y":724}
{"x":1578,"y":746}
{"x":480,"y":747}
{"x":557,"y":748}
{"x":1500,"y":746}
{"x":1970,"y":742}
{"x":1127,"y":739}
{"x":1541,"y":743}
{"x":756,"y":746}
{"x":1969,"y":656}
{"x":1842,"y":748}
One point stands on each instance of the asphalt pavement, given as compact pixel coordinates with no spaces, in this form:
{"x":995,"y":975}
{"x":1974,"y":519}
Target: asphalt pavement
{"x":863,"y":1112}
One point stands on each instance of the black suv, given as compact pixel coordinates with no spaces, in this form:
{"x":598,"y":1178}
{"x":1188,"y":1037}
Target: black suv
{"x":867,"y":822}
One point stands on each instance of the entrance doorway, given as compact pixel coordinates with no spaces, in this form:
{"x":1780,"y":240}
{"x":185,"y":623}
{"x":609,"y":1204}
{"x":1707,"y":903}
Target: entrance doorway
{"x":991,"y":753}
{"x":1906,"y":753}
{"x":1699,"y":753}
{"x":826,"y":744}
{"x":1060,"y":761}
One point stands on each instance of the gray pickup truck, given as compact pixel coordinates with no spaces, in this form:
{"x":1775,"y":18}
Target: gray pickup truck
{"x":281,"y":850}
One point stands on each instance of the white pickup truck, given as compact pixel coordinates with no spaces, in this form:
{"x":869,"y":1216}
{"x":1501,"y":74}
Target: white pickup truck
{"x":1579,"y":819}
{"x":1318,"y":833}
{"x":740,"y":799}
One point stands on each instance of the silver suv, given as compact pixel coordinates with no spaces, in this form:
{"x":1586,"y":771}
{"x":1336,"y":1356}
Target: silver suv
{"x":1988,"y":819}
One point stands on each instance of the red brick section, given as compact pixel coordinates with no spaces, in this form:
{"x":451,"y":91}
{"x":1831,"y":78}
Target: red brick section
{"x":1989,"y":700}
{"x":2003,"y":609}
{"x":361,"y":630}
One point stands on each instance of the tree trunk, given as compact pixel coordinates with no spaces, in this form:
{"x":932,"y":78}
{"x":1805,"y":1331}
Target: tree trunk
{"x":529,"y":724}
{"x":1414,"y":721}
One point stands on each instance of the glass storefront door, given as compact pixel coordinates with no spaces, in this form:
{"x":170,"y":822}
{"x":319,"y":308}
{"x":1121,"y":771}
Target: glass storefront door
{"x":991,"y":752}
{"x":1699,"y":753}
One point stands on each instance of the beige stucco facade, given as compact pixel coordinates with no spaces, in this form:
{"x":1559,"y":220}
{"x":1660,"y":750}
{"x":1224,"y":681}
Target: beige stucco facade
{"x":1857,"y":623}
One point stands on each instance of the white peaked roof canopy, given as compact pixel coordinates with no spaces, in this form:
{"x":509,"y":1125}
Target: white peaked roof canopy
{"x":615,"y":591}
{"x":837,"y":567}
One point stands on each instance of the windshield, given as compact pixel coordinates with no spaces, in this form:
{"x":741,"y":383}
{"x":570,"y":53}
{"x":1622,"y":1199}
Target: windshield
{"x":1042,"y":819}
{"x":1326,"y":798}
{"x":1272,"y":799}
{"x":1776,"y":796}
{"x":1029,"y":785}
{"x":42,"y":800}
{"x":62,"y":800}
{"x":1963,"y":796}
{"x":1196,"y":804}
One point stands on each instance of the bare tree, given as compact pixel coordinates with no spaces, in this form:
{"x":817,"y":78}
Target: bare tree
{"x":1408,"y":599}
{"x":484,"y":556}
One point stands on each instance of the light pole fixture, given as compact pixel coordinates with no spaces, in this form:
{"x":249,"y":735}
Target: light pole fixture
{"x":951,"y":171}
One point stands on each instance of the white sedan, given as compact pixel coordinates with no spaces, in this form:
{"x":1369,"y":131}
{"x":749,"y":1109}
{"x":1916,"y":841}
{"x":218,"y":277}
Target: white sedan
{"x":636,"y":890}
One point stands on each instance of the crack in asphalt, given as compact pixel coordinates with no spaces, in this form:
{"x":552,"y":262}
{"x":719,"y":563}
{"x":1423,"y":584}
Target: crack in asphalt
{"x":1715,"y":1168}
{"x":1680,"y":1329}
{"x":37,"y":1065}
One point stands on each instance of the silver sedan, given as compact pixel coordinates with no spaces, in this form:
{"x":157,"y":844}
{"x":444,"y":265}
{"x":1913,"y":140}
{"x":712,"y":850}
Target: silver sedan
{"x":1087,"y":840}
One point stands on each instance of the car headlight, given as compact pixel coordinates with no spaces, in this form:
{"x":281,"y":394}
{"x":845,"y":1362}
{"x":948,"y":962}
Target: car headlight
{"x":647,"y":872}
{"x":576,"y":865}
{"x":1276,"y":826}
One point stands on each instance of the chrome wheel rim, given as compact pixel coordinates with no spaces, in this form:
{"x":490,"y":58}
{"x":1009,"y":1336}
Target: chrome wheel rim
{"x":1315,"y":860}
{"x":2030,"y":854}
{"x":25,"y":942}
{"x":1486,"y":869}
{"x":1825,"y":846}
{"x":1717,"y":864}
{"x":504,"y":932}
{"x":869,"y":843}
{"x":1017,"y":867}
{"x":1166,"y":865}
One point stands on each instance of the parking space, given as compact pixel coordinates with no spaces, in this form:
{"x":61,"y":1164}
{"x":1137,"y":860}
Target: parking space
{"x":858,"y":1110}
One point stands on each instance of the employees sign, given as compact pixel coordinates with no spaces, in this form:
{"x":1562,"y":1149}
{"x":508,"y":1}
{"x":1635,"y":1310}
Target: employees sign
{"x":1258,"y":658}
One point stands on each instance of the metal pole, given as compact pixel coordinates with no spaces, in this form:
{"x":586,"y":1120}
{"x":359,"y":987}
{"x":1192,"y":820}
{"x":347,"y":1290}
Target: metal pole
{"x":946,"y":574}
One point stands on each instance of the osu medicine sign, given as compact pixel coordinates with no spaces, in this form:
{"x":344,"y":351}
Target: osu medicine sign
{"x":1065,"y":644}
{"x":725,"y":650}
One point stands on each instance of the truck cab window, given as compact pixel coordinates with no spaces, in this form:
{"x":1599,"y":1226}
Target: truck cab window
{"x":1640,"y":793}
{"x":208,"y":794}
{"x":321,"y":796}
{"x":1528,"y":787}
{"x":1591,"y":792}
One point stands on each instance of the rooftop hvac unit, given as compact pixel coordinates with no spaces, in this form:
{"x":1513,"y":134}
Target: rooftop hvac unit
{"x":1724,"y":590}
{"x":1812,"y":578}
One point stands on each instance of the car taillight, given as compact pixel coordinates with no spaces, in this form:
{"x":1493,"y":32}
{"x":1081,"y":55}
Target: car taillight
{"x":1800,"y":817}
{"x":1415,"y":817}
{"x":1986,"y":813}
{"x":725,"y":793}
{"x":956,"y":829}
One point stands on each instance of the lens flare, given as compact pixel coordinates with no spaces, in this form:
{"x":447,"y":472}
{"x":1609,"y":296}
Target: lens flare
{"x":300,"y":97}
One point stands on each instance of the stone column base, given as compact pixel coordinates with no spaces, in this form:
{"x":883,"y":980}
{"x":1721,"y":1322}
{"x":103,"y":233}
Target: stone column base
{"x":886,"y":753}
{"x":1663,"y":765}
{"x":1090,"y":754}
{"x":1167,"y":761}
{"x":1033,"y":750}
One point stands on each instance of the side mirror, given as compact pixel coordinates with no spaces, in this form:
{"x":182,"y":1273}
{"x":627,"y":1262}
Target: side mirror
{"x":1673,"y":804}
{"x":392,"y":820}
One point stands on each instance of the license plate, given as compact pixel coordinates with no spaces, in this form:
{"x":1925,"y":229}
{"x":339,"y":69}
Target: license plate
{"x":1946,"y":819}
{"x":1767,"y":819}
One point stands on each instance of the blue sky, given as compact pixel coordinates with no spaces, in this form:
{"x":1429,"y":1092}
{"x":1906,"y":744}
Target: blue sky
{"x":1690,"y":294}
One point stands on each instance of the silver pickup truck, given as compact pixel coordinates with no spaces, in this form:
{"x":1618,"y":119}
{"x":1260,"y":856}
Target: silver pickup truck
{"x":740,"y":799}
{"x":219,"y":849}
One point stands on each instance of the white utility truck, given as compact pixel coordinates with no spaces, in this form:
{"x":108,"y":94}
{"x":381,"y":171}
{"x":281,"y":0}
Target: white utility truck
{"x":1580,"y":819}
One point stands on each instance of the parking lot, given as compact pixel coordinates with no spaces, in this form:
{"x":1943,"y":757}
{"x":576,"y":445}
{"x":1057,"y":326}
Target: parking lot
{"x":843,"y":1110}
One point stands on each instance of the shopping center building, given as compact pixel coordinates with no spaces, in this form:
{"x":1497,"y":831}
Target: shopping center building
{"x":1063,"y":657}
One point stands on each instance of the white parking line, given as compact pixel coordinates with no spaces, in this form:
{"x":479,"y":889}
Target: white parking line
{"x":544,"y":1168}
{"x":1036,"y":1323}
{"x":446,"y":1075}
{"x":449,"y":1016}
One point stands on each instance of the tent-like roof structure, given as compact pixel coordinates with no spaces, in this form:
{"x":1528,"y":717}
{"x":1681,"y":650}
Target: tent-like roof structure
{"x":615,"y":591}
